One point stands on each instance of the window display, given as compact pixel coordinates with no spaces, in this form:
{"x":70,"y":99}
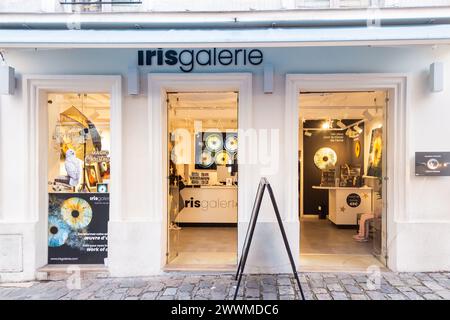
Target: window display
{"x":78,"y":177}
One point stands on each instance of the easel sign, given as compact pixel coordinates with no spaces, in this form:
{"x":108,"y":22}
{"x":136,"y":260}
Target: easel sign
{"x":263,"y":184}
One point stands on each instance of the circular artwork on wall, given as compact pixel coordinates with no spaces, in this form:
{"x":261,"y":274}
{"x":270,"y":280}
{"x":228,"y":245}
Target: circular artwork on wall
{"x":357,"y":149}
{"x":325,"y":158}
{"x":223,"y":158}
{"x":206,"y":159}
{"x":214,"y":142}
{"x":231,"y":144}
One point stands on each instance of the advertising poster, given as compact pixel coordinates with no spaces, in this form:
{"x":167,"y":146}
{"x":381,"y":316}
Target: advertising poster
{"x":78,"y":228}
{"x":433,"y":164}
{"x":375,"y":153}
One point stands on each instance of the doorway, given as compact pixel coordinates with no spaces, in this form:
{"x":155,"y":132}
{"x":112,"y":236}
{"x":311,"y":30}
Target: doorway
{"x":342,"y":193}
{"x":202,"y":171}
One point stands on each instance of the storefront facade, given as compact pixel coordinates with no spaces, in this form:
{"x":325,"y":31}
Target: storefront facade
{"x":417,"y":234}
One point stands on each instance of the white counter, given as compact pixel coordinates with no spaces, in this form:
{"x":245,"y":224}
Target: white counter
{"x":344,"y":203}
{"x":209,"y":204}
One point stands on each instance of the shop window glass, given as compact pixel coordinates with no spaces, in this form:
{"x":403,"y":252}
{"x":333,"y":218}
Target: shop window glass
{"x":79,"y":169}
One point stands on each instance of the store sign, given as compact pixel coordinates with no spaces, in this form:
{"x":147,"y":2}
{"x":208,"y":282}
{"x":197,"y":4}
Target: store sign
{"x":353,"y":200}
{"x":208,"y":204}
{"x":78,"y":228}
{"x":188,"y":59}
{"x":433,"y":164}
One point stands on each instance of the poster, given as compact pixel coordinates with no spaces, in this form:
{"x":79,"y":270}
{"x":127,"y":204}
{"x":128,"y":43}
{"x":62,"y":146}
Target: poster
{"x":375,"y":153}
{"x":433,"y":164}
{"x":78,"y":228}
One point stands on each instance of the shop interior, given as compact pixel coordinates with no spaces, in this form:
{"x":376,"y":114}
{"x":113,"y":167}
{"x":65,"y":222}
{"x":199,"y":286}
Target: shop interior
{"x":203,"y":180}
{"x":79,"y":122}
{"x":341,"y":151}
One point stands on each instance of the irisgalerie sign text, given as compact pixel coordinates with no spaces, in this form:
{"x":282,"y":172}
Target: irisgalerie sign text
{"x":188,"y":59}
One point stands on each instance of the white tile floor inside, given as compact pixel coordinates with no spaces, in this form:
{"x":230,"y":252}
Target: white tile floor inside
{"x":323,"y":247}
{"x":326,"y":248}
{"x":205,"y":248}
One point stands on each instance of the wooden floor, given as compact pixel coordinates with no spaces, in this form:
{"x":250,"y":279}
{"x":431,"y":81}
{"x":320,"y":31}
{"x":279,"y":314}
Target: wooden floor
{"x":326,"y":248}
{"x":323,"y":237}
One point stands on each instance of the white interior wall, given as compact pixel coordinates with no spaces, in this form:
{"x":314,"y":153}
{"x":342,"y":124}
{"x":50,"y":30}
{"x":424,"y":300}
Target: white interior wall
{"x":426,"y":221}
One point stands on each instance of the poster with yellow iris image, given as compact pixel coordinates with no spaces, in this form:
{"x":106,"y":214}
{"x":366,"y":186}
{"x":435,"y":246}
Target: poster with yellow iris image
{"x":78,"y":228}
{"x":375,"y":153}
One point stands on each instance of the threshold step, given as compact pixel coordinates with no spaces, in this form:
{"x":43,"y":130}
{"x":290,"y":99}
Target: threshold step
{"x":64,"y":271}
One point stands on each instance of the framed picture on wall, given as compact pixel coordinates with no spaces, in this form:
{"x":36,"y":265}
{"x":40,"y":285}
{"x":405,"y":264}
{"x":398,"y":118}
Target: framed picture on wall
{"x":92,"y":176}
{"x":104,"y":170}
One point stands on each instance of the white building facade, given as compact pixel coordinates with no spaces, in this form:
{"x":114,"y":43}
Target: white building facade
{"x":310,"y":46}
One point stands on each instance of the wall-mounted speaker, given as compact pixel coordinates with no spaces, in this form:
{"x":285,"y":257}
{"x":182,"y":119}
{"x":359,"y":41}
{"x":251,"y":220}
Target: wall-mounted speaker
{"x":268,"y":78}
{"x":133,"y":81}
{"x":437,"y":76}
{"x":7,"y":80}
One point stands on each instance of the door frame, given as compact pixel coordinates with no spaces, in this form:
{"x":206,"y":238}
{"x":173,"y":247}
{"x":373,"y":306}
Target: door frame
{"x":398,"y":124}
{"x":158,"y":85}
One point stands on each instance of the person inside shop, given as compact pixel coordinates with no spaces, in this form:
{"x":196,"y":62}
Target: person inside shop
{"x":363,"y":233}
{"x":175,"y":180}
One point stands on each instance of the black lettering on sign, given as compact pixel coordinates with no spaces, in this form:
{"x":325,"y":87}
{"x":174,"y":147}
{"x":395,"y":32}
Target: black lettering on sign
{"x":187,"y":60}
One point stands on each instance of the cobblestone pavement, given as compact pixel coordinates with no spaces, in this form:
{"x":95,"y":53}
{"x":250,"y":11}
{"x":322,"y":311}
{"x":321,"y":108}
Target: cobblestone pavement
{"x":321,"y":286}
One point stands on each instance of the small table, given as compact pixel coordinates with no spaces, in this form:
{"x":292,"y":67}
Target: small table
{"x":344,"y":203}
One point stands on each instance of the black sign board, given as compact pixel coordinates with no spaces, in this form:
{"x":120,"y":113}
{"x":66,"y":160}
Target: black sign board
{"x":263,"y":184}
{"x":433,"y":164}
{"x":353,"y":200}
{"x":78,"y":228}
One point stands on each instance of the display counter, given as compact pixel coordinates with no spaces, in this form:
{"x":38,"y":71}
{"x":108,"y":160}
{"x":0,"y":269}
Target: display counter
{"x":208,"y":204}
{"x":344,"y":203}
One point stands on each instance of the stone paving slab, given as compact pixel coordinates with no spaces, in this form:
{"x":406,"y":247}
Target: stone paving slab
{"x":181,"y":286}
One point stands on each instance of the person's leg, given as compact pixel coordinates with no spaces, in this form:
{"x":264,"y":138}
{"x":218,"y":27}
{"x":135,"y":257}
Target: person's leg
{"x":362,"y":225}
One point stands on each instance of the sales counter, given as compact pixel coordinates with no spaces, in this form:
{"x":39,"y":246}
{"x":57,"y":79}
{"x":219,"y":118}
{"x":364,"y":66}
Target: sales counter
{"x":345,"y":203}
{"x":208,"y":204}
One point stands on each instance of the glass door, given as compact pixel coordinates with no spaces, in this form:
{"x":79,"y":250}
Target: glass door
{"x":378,"y":158}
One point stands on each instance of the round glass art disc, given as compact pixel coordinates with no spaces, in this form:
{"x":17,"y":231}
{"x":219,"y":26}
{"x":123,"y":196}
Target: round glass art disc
{"x":325,"y":158}
{"x":231,"y":144}
{"x":214,"y":142}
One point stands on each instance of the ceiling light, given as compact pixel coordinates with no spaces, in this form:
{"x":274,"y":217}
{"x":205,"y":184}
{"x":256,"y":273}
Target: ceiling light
{"x":341,"y":125}
{"x":353,"y":134}
{"x":357,"y":129}
{"x":326,"y":125}
{"x":308,"y":134}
